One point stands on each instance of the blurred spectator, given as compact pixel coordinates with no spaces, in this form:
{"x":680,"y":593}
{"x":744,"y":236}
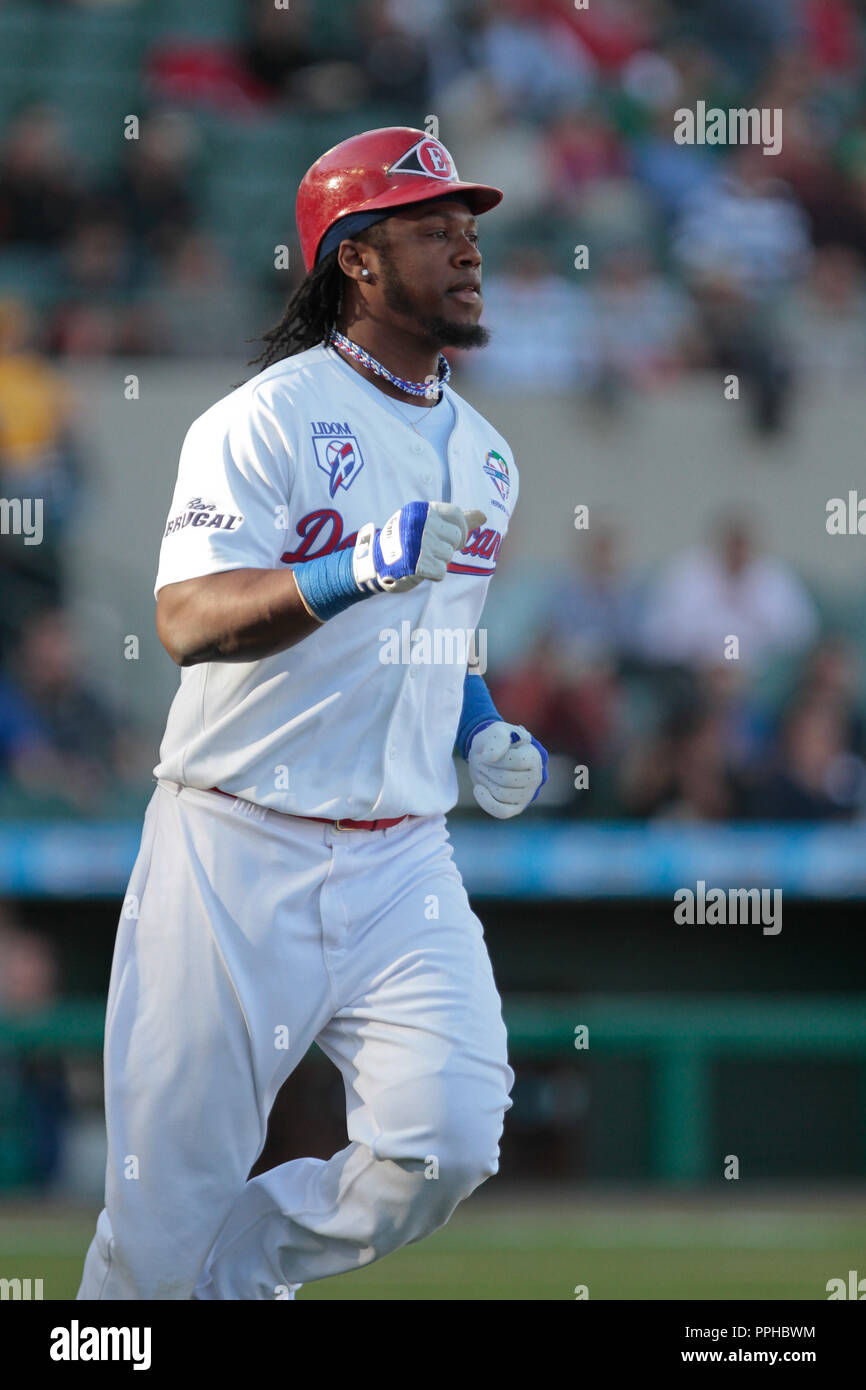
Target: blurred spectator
{"x":571,"y":700}
{"x":36,"y":418}
{"x":541,"y":326}
{"x":748,"y":223}
{"x":568,"y":682}
{"x":394,"y":53}
{"x":597,"y":607}
{"x":197,"y":307}
{"x":98,"y":314}
{"x":21,"y":736}
{"x":33,"y":1094}
{"x":276,"y":61}
{"x":151,"y":196}
{"x":41,"y":189}
{"x":832,"y":35}
{"x":28,"y":968}
{"x":482,"y":134}
{"x":740,"y":243}
{"x":684,"y":772}
{"x":614,"y":32}
{"x":38,"y":467}
{"x":72,"y":747}
{"x":100,"y":328}
{"x":824,"y":320}
{"x":644,"y":323}
{"x":278,"y":45}
{"x":831,"y":676}
{"x":813,"y":776}
{"x":99,"y":257}
{"x":674,"y":175}
{"x":535,"y":58}
{"x":814,"y":115}
{"x":728,"y":588}
{"x":738,"y":336}
{"x":744,"y":34}
{"x":582,"y":148}
{"x":202,"y":73}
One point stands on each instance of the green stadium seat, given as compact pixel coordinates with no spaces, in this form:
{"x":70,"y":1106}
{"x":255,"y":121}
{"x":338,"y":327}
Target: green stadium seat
{"x":176,"y":18}
{"x":22,"y":34}
{"x":33,"y":276}
{"x":93,"y":106}
{"x":334,"y":25}
{"x":77,"y":40}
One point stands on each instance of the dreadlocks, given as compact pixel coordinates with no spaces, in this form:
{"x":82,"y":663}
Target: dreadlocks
{"x":313,"y":309}
{"x":309,"y":315}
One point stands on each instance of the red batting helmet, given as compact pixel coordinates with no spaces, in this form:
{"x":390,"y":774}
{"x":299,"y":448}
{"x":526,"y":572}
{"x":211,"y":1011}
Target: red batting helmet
{"x":386,"y":168}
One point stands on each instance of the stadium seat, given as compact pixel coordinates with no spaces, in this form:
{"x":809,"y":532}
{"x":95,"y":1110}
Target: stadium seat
{"x":22,"y":32}
{"x":31,"y":275}
{"x":177,"y":18}
{"x":93,"y":106}
{"x":84,"y":42}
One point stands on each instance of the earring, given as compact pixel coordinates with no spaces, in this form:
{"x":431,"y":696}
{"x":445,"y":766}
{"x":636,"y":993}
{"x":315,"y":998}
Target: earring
{"x":365,"y":272}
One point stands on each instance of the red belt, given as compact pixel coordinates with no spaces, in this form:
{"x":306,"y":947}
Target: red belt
{"x":337,"y":824}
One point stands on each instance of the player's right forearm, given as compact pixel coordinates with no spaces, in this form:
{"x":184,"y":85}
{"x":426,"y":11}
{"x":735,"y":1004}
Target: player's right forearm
{"x":246,"y":615}
{"x":237,"y":615}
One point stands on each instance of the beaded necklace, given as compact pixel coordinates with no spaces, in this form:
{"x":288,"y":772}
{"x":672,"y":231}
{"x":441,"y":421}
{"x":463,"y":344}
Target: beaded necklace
{"x":412,"y":388}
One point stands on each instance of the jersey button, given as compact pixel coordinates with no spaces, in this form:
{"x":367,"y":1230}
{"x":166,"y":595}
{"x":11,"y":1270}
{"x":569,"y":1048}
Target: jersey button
{"x":392,"y":753}
{"x":413,"y":673}
{"x":416,"y":448}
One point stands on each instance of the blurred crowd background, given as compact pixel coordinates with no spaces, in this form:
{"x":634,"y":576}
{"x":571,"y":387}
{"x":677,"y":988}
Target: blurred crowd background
{"x":703,"y":259}
{"x":150,"y":151}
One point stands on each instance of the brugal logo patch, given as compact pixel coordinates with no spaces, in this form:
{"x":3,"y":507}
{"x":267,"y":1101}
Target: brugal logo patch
{"x":199,"y":513}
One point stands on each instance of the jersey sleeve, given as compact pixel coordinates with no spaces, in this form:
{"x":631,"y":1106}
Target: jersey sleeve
{"x":230,"y":505}
{"x":515,"y":485}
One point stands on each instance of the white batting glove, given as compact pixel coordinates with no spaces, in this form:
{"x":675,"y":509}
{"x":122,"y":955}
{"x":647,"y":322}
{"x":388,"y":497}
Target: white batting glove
{"x":416,"y":543}
{"x":508,"y":768}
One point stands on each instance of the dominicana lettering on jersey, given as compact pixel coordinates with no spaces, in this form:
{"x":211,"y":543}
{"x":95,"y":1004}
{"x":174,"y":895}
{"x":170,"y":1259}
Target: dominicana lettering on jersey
{"x":321,"y":531}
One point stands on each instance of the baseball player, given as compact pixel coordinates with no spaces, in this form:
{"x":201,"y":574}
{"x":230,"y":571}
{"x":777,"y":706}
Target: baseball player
{"x":295,"y":882}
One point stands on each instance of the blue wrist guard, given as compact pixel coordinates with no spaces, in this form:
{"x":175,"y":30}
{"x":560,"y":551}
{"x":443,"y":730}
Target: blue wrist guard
{"x":478,"y":712}
{"x":327,"y":584}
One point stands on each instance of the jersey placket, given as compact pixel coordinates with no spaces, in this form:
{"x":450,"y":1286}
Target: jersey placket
{"x":408,"y":711}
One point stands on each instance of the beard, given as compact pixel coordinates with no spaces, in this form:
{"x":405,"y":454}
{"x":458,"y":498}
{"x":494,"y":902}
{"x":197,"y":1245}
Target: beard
{"x":439,"y":332}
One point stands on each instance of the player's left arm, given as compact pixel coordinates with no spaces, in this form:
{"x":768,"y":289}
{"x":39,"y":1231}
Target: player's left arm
{"x":507,"y":765}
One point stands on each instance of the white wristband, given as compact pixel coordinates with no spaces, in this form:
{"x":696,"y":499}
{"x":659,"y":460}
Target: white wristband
{"x":363,"y":566}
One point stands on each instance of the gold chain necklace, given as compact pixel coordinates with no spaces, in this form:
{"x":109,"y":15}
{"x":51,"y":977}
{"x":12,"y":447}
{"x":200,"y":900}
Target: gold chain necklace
{"x":427,"y":409}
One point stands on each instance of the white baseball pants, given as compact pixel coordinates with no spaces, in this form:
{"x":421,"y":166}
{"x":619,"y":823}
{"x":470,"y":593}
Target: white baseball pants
{"x":245,"y":936}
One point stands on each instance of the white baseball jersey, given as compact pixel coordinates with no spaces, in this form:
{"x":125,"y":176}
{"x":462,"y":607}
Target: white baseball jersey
{"x":357,"y":720}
